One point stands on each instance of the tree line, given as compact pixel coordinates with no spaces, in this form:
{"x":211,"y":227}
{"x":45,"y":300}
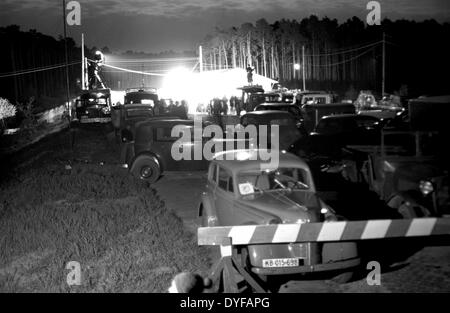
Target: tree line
{"x":22,"y":51}
{"x":336,"y":55}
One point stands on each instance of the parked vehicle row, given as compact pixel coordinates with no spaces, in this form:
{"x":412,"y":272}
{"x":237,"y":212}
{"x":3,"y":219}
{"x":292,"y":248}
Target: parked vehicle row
{"x":401,"y":165}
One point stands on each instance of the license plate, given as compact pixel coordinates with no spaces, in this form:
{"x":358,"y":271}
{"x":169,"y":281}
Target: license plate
{"x":289,"y":262}
{"x":85,"y":119}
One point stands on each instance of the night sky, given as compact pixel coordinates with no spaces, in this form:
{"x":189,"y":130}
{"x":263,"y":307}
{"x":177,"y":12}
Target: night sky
{"x":157,"y":25}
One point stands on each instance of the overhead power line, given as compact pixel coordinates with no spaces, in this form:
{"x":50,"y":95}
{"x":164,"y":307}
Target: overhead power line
{"x":345,"y":51}
{"x":345,"y":61}
{"x":133,"y":71}
{"x":36,"y":70}
{"x":153,"y":60}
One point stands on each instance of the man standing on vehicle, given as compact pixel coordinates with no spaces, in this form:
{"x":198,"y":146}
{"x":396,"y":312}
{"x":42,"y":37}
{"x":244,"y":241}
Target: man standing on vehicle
{"x":250,"y":70}
{"x":94,"y":70}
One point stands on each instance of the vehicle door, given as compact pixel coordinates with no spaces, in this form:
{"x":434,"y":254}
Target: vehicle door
{"x":198,"y":142}
{"x":162,"y":146}
{"x":224,"y":197}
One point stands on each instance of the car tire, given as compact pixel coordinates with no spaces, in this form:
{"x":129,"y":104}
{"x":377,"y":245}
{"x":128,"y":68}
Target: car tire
{"x":146,"y":168}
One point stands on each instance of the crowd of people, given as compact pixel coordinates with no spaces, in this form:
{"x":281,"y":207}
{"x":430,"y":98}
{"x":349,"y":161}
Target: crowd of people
{"x":170,"y":107}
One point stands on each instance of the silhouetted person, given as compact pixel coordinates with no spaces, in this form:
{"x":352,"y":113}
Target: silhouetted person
{"x":94,"y":69}
{"x":217,"y":111}
{"x":250,"y":70}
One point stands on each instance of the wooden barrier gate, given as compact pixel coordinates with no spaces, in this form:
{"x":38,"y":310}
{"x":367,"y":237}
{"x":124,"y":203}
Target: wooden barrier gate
{"x":230,"y":237}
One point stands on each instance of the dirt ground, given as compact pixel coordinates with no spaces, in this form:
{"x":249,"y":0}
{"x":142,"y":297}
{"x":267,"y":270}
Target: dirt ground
{"x":59,"y":205}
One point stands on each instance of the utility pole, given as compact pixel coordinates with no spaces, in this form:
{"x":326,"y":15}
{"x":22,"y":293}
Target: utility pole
{"x":67,"y":59}
{"x":200,"y":58}
{"x":383,"y":75}
{"x":83,"y":70}
{"x":303,"y":67}
{"x":143,"y":78}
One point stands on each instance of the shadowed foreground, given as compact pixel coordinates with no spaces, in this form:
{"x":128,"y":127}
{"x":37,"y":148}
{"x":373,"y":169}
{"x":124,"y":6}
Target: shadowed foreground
{"x":113,"y":225}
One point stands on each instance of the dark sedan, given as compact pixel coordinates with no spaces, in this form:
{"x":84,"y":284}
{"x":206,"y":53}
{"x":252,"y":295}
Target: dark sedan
{"x":288,"y":129}
{"x":286,"y":107}
{"x":334,"y":132}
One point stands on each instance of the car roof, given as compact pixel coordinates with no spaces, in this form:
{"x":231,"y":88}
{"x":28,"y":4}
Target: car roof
{"x":164,"y":121}
{"x":329,"y":105}
{"x":315,"y":93}
{"x":433,"y":99}
{"x":278,"y":104}
{"x":148,"y":90}
{"x":252,"y":88}
{"x":350,"y":116}
{"x":249,"y":160}
{"x":269,"y":112}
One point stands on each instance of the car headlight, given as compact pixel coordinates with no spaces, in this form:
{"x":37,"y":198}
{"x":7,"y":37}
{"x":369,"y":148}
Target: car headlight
{"x":426,"y":187}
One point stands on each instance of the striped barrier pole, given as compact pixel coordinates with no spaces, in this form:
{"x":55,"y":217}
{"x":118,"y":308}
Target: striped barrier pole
{"x":322,"y":232}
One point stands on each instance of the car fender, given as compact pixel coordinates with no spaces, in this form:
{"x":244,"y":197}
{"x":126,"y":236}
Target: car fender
{"x":338,"y":251}
{"x":145,"y":155}
{"x":410,"y":204}
{"x":208,"y":209}
{"x":127,"y":153}
{"x":158,"y":159}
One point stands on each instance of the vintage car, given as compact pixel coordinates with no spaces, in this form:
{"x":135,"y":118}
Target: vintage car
{"x":314,"y":97}
{"x":150,"y":153}
{"x":252,"y":95}
{"x":93,"y":106}
{"x":141,"y":95}
{"x":239,"y":192}
{"x":334,"y":132}
{"x":277,"y":97}
{"x":312,"y":113}
{"x":409,"y":170}
{"x":277,"y":106}
{"x":406,"y":171}
{"x":125,"y":117}
{"x":289,"y":129}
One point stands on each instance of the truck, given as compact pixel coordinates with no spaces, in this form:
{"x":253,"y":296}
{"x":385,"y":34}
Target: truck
{"x":93,"y":106}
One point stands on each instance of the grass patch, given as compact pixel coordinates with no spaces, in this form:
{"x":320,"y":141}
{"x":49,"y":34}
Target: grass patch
{"x":113,"y":225}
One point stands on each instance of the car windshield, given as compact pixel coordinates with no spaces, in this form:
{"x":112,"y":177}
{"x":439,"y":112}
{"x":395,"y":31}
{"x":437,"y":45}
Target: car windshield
{"x":279,"y":179}
{"x":143,"y":98}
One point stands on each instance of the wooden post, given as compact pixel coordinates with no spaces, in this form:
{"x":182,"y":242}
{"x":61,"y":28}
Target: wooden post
{"x":200,"y":58}
{"x":384,"y":66}
{"x":303,"y":67}
{"x":83,"y":69}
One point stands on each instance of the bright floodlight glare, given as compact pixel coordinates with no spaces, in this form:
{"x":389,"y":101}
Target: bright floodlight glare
{"x":176,"y":84}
